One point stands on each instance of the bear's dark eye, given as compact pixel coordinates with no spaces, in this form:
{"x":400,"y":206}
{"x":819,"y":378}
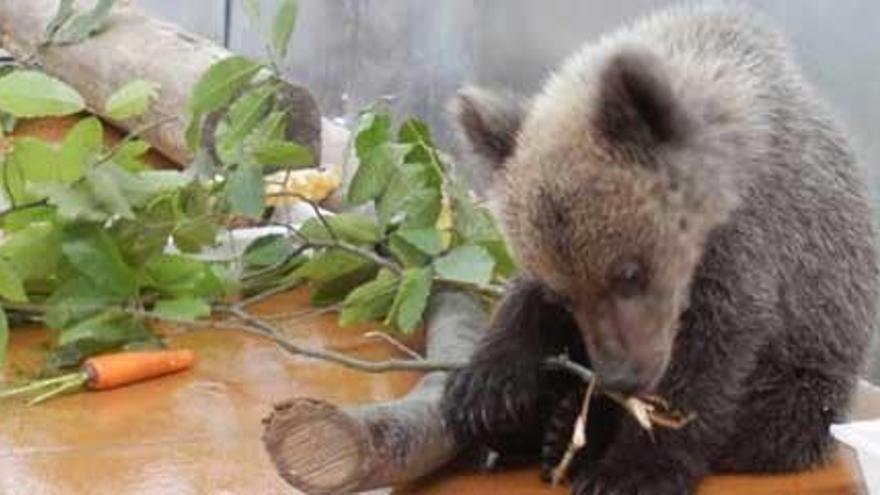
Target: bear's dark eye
{"x":629,"y":278}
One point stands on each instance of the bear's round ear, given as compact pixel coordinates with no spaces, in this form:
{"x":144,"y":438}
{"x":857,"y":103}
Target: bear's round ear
{"x":488,"y":123}
{"x":636,"y":104}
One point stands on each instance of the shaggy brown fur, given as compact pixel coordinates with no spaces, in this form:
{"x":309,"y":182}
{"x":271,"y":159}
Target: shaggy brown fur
{"x":690,"y":222}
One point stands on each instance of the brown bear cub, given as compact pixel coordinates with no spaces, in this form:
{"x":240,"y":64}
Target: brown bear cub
{"x":690,"y":223}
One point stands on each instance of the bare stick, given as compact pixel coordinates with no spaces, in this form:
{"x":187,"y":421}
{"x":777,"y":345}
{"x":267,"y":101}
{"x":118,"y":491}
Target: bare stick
{"x":322,"y":449}
{"x":105,"y":62}
{"x":400,"y":346}
{"x":578,"y":436}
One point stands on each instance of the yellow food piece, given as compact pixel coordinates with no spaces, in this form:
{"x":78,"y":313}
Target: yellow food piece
{"x":312,"y":184}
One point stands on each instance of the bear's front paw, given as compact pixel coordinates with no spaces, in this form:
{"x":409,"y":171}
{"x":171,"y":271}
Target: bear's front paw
{"x":634,"y":479}
{"x":494,"y":404}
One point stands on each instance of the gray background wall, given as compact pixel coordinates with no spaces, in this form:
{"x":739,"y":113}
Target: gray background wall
{"x":415,"y":53}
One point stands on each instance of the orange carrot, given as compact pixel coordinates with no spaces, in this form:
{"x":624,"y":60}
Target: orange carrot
{"x":113,"y":370}
{"x":107,"y":371}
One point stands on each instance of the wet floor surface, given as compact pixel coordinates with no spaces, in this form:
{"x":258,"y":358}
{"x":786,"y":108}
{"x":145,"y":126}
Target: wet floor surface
{"x":198,"y":432}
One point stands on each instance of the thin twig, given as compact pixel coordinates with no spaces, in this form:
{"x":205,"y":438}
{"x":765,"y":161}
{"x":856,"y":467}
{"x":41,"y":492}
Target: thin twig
{"x":258,"y":326}
{"x":131,"y":136}
{"x":303,"y":313}
{"x":400,"y":346}
{"x":362,"y":252}
{"x":491,"y":291}
{"x":578,"y":436}
{"x":262,"y":296}
{"x":26,"y":206}
{"x":318,"y":213}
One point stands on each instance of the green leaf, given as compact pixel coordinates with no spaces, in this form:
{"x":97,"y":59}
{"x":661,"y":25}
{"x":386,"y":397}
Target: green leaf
{"x":193,"y":132}
{"x":266,"y":251}
{"x":73,"y":202}
{"x":107,"y":189}
{"x":11,"y":286}
{"x":246,"y":191}
{"x":89,"y":250}
{"x":411,"y":299}
{"x":4,"y":334}
{"x":7,"y":122}
{"x":140,"y":239}
{"x":282,"y":28}
{"x":12,"y":180}
{"x":370,"y":301}
{"x":404,"y":252}
{"x":415,"y":247}
{"x":373,"y":129}
{"x":505,"y":265}
{"x":80,"y":27}
{"x":285,"y":154}
{"x":34,"y":250}
{"x":106,"y":331}
{"x":427,"y":240}
{"x":468,"y":264}
{"x":474,"y":224}
{"x":62,"y":15}
{"x":375,"y":171}
{"x":413,"y":199}
{"x":180,"y":276}
{"x":118,"y":191}
{"x":34,"y":94}
{"x":185,"y":309}
{"x":243,"y":118}
{"x":192,"y":235}
{"x":81,"y":146}
{"x":76,"y":298}
{"x":335,"y":273}
{"x":130,"y":155}
{"x":40,"y":161}
{"x":331,"y":264}
{"x":131,"y":99}
{"x":36,"y":159}
{"x":272,"y":128}
{"x":415,"y":131}
{"x":352,"y":227}
{"x":252,"y":10}
{"x":21,"y":219}
{"x":221,"y":82}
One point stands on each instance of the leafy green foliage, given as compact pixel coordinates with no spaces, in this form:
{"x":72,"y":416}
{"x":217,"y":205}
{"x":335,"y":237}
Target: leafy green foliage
{"x":11,"y":286}
{"x":216,"y":88}
{"x":67,"y":28}
{"x":4,"y":334}
{"x":246,"y":191}
{"x":131,"y":99}
{"x":221,"y":82}
{"x":282,"y":29}
{"x":351,"y":227}
{"x":370,"y":301}
{"x":285,"y":154}
{"x":411,"y":299}
{"x":103,"y":244}
{"x":467,"y":264}
{"x":34,"y":94}
{"x":182,"y":309}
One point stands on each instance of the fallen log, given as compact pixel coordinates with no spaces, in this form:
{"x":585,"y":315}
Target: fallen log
{"x":320,"y":448}
{"x":135,"y":45}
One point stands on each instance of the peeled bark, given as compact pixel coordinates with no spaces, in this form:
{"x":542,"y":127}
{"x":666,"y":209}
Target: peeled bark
{"x":320,"y":448}
{"x":134,"y":45}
